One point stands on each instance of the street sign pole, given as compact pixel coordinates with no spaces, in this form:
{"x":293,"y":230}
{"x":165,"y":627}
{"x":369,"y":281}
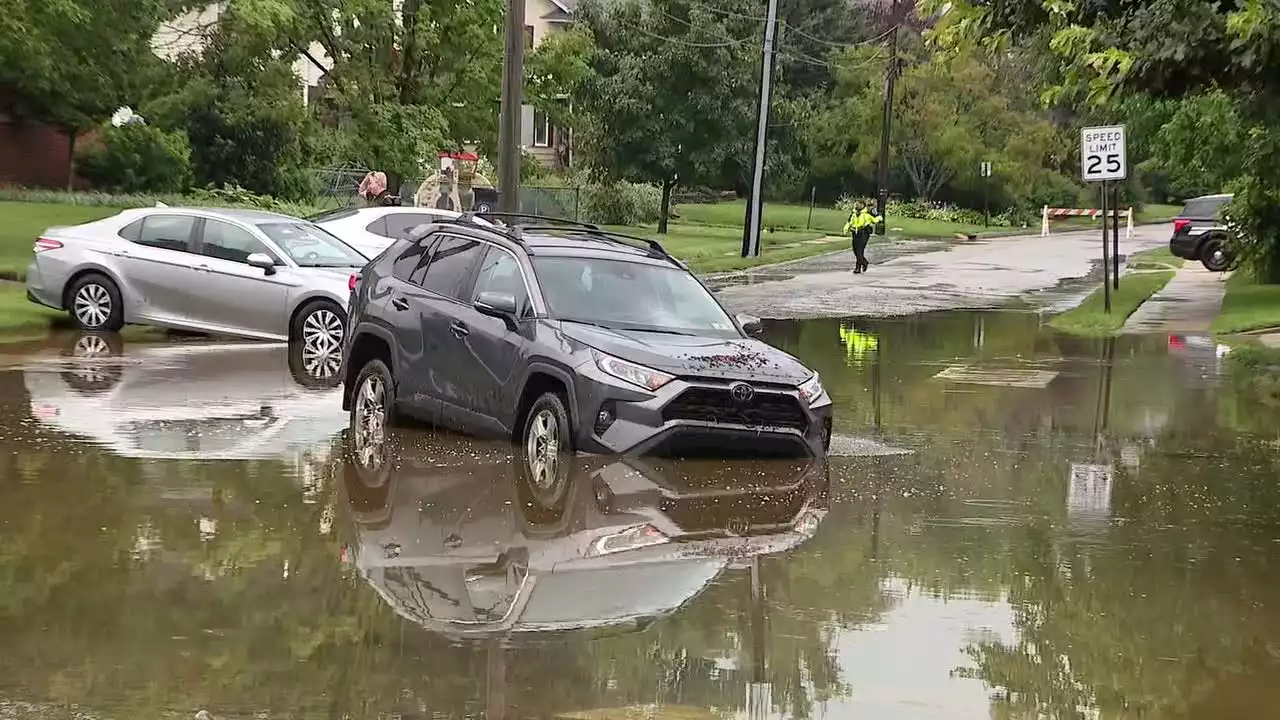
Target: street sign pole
{"x":986,"y":197}
{"x":1106,"y":261}
{"x":1104,"y":159}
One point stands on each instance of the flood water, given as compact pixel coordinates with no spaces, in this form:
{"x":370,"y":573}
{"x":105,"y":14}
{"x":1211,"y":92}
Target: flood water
{"x":1014,"y":525}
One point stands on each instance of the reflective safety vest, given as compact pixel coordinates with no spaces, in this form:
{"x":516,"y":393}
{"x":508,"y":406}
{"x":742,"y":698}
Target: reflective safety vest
{"x":860,"y":220}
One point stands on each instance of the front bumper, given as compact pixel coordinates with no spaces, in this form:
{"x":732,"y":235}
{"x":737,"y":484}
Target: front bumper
{"x":695,"y":418}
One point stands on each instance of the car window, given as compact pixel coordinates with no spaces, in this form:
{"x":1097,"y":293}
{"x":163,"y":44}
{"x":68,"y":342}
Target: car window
{"x":225,"y":241}
{"x":399,"y":224}
{"x":132,"y":232}
{"x":168,"y":232}
{"x":310,"y":245}
{"x":630,"y":296}
{"x":1204,"y":208}
{"x":451,"y":264}
{"x":501,"y":273}
{"x":378,"y":227}
{"x":412,"y":260}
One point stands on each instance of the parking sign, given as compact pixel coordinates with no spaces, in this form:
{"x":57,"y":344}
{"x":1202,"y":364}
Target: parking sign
{"x":1102,"y":154}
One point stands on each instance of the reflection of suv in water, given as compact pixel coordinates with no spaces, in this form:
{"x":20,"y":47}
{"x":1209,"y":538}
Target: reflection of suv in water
{"x":564,"y":337}
{"x":451,"y":539}
{"x":1199,"y":233}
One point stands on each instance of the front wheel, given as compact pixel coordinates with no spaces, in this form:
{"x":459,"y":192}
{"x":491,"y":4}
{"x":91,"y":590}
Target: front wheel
{"x":96,"y":304}
{"x":1215,"y":256}
{"x":320,"y":326}
{"x":547,"y":448}
{"x":372,"y":412}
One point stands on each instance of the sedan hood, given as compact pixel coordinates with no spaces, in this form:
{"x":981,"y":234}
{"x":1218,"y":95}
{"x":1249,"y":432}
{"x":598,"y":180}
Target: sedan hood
{"x":692,"y":356}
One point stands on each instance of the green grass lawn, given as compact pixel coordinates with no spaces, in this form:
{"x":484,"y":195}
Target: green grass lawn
{"x":1156,"y":259}
{"x":708,"y":248}
{"x":1248,"y":306}
{"x":21,"y":223}
{"x":830,"y":221}
{"x":1090,"y":319}
{"x":20,"y":318}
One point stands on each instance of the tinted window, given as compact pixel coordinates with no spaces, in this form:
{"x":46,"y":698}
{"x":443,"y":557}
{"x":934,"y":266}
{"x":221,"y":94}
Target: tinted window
{"x":378,"y":227}
{"x":451,"y":264}
{"x":1204,"y":208}
{"x":225,"y":241}
{"x":132,"y":231}
{"x":501,"y":273}
{"x":399,"y":224}
{"x":411,"y":259}
{"x":170,"y":232}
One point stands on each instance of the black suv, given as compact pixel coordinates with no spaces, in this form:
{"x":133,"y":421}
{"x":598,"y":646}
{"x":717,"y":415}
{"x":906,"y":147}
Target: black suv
{"x":1200,"y":234}
{"x":565,"y":337}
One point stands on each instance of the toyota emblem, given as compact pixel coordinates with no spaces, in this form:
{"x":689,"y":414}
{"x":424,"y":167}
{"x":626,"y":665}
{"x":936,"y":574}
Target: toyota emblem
{"x":741,"y":392}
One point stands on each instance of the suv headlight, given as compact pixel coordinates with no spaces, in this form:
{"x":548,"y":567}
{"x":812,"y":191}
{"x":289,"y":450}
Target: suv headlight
{"x":811,"y":389}
{"x":647,"y":378}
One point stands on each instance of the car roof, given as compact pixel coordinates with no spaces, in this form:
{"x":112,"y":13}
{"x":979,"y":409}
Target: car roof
{"x":243,"y":215}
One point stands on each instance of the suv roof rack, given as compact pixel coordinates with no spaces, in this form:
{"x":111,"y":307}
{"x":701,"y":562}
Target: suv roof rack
{"x":568,"y":227}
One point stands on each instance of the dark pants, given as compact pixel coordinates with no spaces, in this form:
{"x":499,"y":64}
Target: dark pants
{"x":860,"y":239}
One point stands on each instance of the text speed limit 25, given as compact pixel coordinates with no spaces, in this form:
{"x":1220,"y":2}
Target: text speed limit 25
{"x":1102,"y":154}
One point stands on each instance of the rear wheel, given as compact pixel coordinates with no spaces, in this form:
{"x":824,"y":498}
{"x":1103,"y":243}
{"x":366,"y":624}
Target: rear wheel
{"x":95,"y":304}
{"x":1215,"y":256}
{"x":372,"y":411}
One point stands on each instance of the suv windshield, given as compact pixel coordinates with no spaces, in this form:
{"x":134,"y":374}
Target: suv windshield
{"x":623,"y":295}
{"x":311,"y":246}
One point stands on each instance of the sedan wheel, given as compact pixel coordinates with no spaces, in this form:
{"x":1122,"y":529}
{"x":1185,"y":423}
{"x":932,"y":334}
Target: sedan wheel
{"x":92,"y":305}
{"x":322,"y":329}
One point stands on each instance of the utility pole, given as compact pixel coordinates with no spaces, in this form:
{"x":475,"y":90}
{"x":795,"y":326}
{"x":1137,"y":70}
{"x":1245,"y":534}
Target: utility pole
{"x":509,"y":112}
{"x":890,"y":77}
{"x":755,"y":201}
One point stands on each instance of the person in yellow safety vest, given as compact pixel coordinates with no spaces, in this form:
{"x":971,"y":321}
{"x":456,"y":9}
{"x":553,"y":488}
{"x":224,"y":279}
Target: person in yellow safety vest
{"x":859,"y":228}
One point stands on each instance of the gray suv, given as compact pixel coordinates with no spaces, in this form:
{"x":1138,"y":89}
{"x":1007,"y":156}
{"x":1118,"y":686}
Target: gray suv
{"x":565,"y":337}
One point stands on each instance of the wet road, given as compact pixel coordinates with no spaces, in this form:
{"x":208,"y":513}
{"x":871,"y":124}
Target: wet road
{"x":908,"y":278}
{"x":1016,"y":524}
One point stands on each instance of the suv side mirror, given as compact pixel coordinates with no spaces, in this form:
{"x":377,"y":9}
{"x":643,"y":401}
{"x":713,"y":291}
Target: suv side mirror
{"x":497,"y":304}
{"x":750,"y":325}
{"x":262,"y":261}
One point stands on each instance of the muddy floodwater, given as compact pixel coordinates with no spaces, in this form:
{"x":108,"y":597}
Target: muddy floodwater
{"x":1013,"y":524}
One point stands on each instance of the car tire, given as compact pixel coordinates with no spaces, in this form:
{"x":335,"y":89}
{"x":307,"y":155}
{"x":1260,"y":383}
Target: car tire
{"x":546,"y":457}
{"x":319,"y":321}
{"x":369,"y":437}
{"x":88,"y":375}
{"x":95,"y":304}
{"x":1215,"y":256}
{"x":313,"y":368}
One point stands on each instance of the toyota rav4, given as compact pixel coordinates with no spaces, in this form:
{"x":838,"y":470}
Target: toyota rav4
{"x":566,"y":337}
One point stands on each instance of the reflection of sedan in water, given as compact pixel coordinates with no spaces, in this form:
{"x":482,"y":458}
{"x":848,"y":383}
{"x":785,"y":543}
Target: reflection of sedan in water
{"x":450,"y":537}
{"x":196,"y":401}
{"x":244,"y":273}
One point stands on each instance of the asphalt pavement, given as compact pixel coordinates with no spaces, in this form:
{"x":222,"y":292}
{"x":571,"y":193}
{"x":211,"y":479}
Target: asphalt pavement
{"x":961,"y":275}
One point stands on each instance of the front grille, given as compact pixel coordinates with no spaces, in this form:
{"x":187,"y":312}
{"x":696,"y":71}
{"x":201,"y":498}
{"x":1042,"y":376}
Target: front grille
{"x":717,"y":406}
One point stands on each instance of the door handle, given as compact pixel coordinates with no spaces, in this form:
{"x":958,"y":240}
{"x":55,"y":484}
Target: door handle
{"x":400,"y":303}
{"x":203,"y":268}
{"x":458,"y":329}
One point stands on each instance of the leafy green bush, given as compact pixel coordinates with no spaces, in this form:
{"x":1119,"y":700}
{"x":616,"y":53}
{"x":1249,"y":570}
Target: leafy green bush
{"x":621,"y":203}
{"x":137,"y":158}
{"x":224,"y":197}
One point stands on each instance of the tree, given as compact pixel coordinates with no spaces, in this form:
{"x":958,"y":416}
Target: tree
{"x":671,"y":99}
{"x":71,"y":63}
{"x":1169,"y":48}
{"x":409,"y":78}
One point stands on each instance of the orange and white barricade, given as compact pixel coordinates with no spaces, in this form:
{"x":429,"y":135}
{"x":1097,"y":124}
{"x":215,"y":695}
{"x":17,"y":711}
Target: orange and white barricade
{"x":1094,"y":213}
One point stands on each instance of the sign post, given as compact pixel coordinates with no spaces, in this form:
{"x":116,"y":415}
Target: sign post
{"x":986,"y":205}
{"x":1104,"y":158}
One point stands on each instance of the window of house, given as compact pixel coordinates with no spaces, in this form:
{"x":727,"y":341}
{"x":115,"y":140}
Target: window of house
{"x":528,"y":37}
{"x":541,"y":129}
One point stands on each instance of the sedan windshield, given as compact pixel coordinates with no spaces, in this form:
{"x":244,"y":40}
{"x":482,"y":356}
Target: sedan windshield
{"x":311,"y":246}
{"x":623,"y":295}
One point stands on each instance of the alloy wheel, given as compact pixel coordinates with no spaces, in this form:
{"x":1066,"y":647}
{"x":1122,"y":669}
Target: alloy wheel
{"x":542,"y":449}
{"x":92,"y":305}
{"x":371,"y":414}
{"x":321,"y":363}
{"x":322,"y":330}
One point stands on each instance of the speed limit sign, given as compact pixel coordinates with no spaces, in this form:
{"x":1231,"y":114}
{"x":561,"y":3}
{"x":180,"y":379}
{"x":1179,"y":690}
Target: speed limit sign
{"x":1102,"y":154}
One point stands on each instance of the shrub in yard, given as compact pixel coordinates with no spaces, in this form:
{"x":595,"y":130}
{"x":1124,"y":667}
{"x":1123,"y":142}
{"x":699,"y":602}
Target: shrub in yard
{"x":224,"y":197}
{"x":137,"y":158}
{"x":621,"y":203}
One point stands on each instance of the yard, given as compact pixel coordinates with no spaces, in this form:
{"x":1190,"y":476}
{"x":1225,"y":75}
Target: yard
{"x":1248,"y":306}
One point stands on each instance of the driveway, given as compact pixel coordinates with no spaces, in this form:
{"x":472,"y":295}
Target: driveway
{"x":975,"y":274}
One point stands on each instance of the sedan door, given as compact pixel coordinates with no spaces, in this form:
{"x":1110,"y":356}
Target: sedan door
{"x":233,"y":296}
{"x":157,"y":268}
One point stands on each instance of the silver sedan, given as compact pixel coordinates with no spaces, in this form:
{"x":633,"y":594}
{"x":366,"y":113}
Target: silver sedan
{"x":243,"y":273}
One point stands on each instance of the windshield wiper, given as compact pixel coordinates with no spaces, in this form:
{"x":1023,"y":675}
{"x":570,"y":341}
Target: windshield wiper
{"x":589,"y":322}
{"x":661,"y":332}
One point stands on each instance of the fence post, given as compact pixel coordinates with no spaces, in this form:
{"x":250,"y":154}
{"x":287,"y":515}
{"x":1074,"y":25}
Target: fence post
{"x":1044,"y":222}
{"x":577,"y":203}
{"x":813,"y":193}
